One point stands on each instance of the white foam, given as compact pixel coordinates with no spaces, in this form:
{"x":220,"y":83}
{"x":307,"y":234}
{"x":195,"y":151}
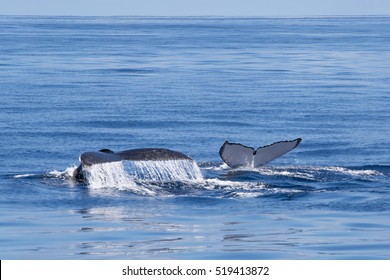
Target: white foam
{"x":302,"y":174}
{"x":352,"y":172}
{"x":24,"y":175}
{"x":67,"y":173}
{"x":221,"y":167}
{"x":311,"y":172}
{"x":247,"y":194}
{"x":233,"y":185}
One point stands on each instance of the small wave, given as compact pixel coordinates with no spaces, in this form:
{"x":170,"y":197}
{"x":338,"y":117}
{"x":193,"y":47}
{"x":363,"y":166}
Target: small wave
{"x":214,"y":167}
{"x":339,"y":173}
{"x":25,"y":176}
{"x":232,"y":185}
{"x":288,"y":172}
{"x":234,"y":189}
{"x":246,"y":194}
{"x":313,"y":173}
{"x":242,"y":189}
{"x":353,"y":172}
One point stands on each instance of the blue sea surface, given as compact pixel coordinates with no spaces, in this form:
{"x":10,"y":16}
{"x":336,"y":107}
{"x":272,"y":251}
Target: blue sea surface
{"x":75,"y":84}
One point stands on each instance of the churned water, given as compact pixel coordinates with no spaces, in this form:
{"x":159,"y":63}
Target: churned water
{"x":75,"y":84}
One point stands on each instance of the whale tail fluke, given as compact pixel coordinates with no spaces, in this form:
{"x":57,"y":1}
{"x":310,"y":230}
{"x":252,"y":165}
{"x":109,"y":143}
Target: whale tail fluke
{"x":238,"y":155}
{"x":138,"y":156}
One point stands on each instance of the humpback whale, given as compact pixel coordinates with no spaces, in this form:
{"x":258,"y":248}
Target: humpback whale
{"x":237,"y":155}
{"x":105,"y":156}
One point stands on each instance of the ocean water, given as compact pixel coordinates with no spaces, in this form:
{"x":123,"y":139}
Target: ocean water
{"x":75,"y":84}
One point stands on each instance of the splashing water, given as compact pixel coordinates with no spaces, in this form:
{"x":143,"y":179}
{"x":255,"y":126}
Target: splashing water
{"x":164,"y":171}
{"x":112,"y":175}
{"x":66,"y":174}
{"x":129,"y":175}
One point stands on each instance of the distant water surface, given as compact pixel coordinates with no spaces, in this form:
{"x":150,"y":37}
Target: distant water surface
{"x":75,"y":84}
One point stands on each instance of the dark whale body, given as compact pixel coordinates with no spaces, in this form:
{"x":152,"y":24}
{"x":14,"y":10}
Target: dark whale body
{"x":106,"y":155}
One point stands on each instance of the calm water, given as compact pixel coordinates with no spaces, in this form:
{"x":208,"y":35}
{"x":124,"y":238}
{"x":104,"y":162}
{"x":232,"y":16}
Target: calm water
{"x":75,"y":84}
